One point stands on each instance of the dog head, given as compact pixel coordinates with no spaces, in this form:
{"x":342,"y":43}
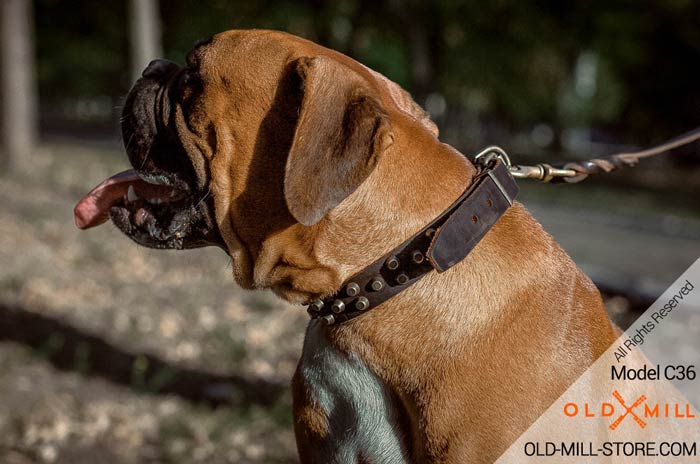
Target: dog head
{"x":253,"y":146}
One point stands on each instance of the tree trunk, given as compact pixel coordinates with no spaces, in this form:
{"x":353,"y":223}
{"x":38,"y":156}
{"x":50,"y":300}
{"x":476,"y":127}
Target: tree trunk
{"x":145,"y":34}
{"x":19,"y":100}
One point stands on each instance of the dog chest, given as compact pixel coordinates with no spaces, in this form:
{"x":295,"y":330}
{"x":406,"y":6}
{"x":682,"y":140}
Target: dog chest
{"x":362,"y":415}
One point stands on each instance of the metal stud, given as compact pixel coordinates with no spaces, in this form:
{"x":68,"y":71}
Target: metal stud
{"x":392,"y":263}
{"x":401,"y":279}
{"x":430,"y":232}
{"x":316,"y":305}
{"x":417,"y":256}
{"x":338,"y":306}
{"x":329,"y":319}
{"x":362,"y":303}
{"x":352,"y":289}
{"x":377,"y":284}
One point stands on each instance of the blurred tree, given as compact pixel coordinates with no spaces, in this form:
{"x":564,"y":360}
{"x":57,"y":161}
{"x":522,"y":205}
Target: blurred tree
{"x":18,"y":92}
{"x":624,"y":66}
{"x":144,"y":22}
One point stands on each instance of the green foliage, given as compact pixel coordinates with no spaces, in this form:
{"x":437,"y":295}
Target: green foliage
{"x":81,"y":48}
{"x":517,"y":62}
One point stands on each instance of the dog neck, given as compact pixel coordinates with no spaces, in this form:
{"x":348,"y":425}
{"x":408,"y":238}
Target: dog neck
{"x":438,"y":246}
{"x":415,"y":181}
{"x":454,"y":312}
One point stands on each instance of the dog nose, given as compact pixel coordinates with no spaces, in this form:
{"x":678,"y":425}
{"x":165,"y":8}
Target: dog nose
{"x":160,"y":68}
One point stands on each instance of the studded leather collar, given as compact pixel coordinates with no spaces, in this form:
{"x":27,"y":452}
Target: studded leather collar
{"x":444,"y":242}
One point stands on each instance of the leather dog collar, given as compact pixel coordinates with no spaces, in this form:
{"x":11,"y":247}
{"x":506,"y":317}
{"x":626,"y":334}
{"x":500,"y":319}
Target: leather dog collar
{"x":444,"y":242}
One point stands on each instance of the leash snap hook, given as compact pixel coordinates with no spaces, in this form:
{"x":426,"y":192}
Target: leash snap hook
{"x":546,"y":173}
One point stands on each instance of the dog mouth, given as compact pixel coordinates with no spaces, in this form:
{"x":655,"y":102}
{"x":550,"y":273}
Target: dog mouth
{"x":162,"y":204}
{"x":152,"y":210}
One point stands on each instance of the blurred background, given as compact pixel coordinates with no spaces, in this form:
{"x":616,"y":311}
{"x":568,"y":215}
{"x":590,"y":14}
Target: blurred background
{"x":111,"y":353}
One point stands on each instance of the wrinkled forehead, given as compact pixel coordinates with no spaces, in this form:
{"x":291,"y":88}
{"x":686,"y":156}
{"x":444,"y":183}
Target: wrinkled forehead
{"x":247,"y":52}
{"x":255,"y":59}
{"x":240,"y":51}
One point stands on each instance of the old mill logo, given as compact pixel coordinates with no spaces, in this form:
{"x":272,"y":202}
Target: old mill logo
{"x":639,"y":410}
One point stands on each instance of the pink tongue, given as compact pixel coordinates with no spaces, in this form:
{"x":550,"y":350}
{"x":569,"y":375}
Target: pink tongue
{"x":93,"y":209}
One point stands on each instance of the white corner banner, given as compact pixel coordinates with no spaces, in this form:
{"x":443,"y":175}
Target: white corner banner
{"x":637,"y":402}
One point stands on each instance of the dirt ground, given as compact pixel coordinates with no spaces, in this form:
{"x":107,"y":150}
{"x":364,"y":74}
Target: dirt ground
{"x":112,"y":353}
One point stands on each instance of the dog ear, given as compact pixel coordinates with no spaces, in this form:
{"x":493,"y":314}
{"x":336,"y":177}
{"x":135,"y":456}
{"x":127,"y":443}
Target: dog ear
{"x":405,"y":102}
{"x":341,"y":131}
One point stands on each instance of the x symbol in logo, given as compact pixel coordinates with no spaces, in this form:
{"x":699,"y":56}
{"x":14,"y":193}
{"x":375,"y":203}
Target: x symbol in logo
{"x":628,"y":410}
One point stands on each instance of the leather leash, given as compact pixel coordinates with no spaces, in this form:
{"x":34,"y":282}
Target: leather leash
{"x":444,"y":242}
{"x":576,"y":171}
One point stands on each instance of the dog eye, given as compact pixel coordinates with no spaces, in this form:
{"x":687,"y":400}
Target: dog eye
{"x":186,"y":77}
{"x":189,"y":82}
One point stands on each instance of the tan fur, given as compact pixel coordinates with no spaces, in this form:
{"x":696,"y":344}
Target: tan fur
{"x":475,"y":354}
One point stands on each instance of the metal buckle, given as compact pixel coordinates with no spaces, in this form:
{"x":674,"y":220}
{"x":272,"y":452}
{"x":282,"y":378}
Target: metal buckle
{"x":485,"y":156}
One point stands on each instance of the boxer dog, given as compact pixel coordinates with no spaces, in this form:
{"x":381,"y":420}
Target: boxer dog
{"x":305,"y":166}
